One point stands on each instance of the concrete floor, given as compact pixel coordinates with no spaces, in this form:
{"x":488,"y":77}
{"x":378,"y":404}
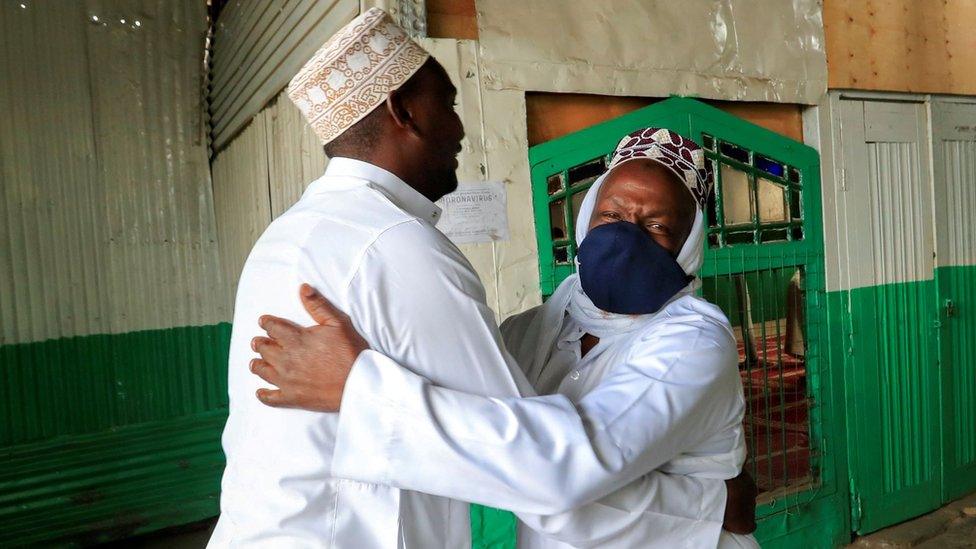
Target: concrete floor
{"x":951,"y":527}
{"x":190,"y":536}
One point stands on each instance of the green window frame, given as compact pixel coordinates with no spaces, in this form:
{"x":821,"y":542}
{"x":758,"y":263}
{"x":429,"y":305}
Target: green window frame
{"x":774,"y":196}
{"x":764,"y":249}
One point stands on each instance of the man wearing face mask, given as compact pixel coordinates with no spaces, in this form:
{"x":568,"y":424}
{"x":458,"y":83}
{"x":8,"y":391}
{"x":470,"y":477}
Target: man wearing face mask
{"x":642,"y":376}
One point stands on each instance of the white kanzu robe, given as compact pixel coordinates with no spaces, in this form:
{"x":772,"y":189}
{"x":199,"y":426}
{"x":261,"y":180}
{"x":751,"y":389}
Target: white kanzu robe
{"x":666,"y":398}
{"x":660,"y":393}
{"x":367,"y":241}
{"x":558,"y":366}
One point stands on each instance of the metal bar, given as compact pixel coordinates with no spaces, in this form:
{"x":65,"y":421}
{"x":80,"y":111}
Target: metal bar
{"x":782,"y":393}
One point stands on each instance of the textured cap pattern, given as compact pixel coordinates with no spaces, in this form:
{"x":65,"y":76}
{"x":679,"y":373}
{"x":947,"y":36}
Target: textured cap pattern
{"x":354,"y":72}
{"x":681,"y":155}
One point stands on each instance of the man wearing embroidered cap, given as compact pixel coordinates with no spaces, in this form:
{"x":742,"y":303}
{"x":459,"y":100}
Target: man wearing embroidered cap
{"x":364,"y":235}
{"x":644,"y":418}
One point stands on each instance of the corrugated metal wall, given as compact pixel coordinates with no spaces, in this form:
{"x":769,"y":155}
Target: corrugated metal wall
{"x":108,"y":222}
{"x":260,"y":174}
{"x":112,"y":358}
{"x":954,"y":148}
{"x":258,"y":47}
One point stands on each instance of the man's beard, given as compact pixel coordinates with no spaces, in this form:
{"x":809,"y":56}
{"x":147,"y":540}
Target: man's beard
{"x":445,"y":182}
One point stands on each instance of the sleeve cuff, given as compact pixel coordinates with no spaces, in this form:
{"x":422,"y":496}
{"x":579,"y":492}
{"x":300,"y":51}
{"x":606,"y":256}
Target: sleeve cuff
{"x":367,"y":422}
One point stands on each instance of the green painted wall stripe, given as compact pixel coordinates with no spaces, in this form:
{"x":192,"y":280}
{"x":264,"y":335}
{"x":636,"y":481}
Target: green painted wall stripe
{"x":110,"y":436}
{"x":107,"y":436}
{"x":910,"y":373}
{"x":88,"y":384}
{"x":84,"y":489}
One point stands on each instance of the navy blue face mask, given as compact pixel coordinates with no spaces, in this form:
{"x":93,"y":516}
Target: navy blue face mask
{"x":623,"y":270}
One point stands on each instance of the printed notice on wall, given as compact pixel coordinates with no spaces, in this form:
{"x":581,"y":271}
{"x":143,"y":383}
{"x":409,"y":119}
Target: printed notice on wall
{"x":475,"y":212}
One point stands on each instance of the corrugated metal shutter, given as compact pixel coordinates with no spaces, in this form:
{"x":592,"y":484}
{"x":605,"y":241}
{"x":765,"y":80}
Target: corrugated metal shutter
{"x":891,"y":344}
{"x":954,"y":150}
{"x":112,"y":354}
{"x":258,"y":47}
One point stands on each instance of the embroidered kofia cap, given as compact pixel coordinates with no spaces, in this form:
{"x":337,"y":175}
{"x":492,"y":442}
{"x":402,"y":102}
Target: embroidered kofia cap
{"x":354,"y":72}
{"x":680,"y":155}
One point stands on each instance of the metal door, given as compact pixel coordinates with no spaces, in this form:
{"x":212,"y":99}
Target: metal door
{"x":764,"y":267}
{"x":893,"y":381}
{"x":954,"y":167}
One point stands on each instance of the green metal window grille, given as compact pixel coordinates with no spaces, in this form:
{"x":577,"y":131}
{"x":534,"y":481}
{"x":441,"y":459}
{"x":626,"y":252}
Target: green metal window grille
{"x":763,"y":267}
{"x":756,"y":199}
{"x":566,"y":190}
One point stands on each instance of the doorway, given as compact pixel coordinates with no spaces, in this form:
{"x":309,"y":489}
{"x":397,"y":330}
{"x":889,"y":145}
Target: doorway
{"x":899,"y":265}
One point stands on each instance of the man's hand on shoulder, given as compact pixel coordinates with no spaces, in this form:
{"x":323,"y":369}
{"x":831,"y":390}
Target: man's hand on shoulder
{"x":308,"y":365}
{"x":740,"y":505}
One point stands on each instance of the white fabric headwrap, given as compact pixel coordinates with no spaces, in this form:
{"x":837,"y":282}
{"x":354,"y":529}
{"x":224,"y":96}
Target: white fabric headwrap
{"x":692,"y":253}
{"x":569,"y":296}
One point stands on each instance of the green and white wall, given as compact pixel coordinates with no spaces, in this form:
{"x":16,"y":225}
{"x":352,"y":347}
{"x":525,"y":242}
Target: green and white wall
{"x":900,"y":246}
{"x":113,"y":333}
{"x":115,"y":296}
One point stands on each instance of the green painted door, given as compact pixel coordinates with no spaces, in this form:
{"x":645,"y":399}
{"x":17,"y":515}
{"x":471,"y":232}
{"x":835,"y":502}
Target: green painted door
{"x":764,"y":267}
{"x":891,"y":335}
{"x":954,"y":168}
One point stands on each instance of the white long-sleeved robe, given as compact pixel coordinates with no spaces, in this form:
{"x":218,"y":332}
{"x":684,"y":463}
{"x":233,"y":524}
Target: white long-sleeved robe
{"x":667,"y":397}
{"x":367,"y":241}
{"x":614,"y":521}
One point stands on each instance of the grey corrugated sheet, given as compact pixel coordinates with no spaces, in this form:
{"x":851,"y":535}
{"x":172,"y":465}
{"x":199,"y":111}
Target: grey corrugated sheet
{"x":108,"y":233}
{"x":106,"y":214}
{"x":954,"y":147}
{"x":258,"y":47}
{"x":259,"y":175}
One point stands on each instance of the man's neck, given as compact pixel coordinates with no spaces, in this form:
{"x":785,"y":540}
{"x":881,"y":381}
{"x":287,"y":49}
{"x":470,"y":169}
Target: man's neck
{"x":394,"y":167}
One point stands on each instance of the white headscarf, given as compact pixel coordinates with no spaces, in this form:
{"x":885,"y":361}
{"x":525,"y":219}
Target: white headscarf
{"x":569,"y":296}
{"x":692,"y":253}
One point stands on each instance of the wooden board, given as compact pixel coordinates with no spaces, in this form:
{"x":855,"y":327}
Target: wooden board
{"x":921,"y":46}
{"x":552,"y":115}
{"x":452,"y":19}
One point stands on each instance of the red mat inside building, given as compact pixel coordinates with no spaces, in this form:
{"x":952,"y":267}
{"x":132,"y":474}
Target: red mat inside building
{"x":777,"y":426}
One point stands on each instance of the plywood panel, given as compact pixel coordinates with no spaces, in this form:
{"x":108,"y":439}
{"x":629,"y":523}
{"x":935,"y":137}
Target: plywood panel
{"x":452,"y":19}
{"x":552,"y":115}
{"x":922,"y":46}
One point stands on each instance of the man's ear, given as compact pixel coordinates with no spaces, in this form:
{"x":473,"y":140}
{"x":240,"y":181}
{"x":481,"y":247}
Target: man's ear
{"x":399,"y":111}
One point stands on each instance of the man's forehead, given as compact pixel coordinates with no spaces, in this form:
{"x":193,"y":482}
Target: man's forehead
{"x":642,"y":172}
{"x":646,"y":174}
